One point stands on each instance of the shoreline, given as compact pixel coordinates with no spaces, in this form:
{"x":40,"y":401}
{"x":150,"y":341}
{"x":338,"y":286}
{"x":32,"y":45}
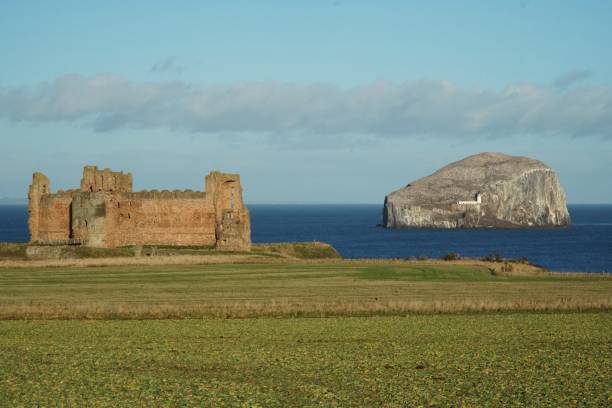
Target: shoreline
{"x":264,"y":253}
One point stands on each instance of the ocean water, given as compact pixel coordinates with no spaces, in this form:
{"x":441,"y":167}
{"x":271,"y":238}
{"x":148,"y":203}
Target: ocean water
{"x":352,"y":229}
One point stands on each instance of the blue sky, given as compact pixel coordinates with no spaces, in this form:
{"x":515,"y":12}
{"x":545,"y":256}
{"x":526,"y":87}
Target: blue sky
{"x":322,"y":101}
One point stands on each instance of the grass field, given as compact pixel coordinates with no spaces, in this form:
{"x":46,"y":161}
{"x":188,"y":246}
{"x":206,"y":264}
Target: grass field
{"x":289,"y":289}
{"x":472,"y":360}
{"x":272,"y":330}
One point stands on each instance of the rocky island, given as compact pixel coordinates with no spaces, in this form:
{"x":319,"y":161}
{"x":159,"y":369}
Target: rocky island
{"x":484,"y":190}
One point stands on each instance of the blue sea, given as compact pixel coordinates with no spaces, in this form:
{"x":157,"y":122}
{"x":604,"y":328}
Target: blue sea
{"x":352,"y":229}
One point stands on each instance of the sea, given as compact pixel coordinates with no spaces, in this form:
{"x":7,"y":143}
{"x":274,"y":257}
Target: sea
{"x":354,"y":230}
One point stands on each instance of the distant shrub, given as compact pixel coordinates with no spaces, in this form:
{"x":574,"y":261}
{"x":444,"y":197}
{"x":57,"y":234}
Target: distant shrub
{"x":13,"y":251}
{"x":523,"y":260}
{"x":422,"y":258}
{"x":314,"y":250}
{"x":492,"y":258}
{"x":451,"y":256}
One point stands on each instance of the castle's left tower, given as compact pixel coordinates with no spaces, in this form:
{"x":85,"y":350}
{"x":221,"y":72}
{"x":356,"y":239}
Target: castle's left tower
{"x":39,"y":187}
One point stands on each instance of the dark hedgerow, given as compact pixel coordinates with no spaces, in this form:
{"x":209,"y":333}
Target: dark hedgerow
{"x":13,"y":251}
{"x":492,"y":258}
{"x":451,"y":256}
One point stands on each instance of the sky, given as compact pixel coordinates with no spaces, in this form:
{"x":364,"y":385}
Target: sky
{"x":311,"y":102}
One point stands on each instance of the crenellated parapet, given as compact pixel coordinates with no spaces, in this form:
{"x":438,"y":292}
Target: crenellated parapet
{"x":165,"y":194}
{"x":95,"y":180}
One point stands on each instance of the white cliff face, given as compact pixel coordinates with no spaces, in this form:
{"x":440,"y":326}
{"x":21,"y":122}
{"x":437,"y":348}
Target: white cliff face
{"x":514,"y":192}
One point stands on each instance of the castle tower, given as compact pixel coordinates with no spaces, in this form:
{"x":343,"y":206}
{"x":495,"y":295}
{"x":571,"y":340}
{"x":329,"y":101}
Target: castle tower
{"x":95,"y":180}
{"x":39,"y":187}
{"x":232,"y":221}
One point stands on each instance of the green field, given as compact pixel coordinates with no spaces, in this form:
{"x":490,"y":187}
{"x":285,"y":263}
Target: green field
{"x":291,"y":332}
{"x":288,"y":289}
{"x":525,"y":359}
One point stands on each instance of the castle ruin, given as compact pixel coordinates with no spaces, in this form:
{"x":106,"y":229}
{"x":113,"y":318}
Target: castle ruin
{"x":106,"y":213}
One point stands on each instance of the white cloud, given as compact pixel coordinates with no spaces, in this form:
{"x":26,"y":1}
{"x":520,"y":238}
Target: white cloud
{"x":379,"y":109}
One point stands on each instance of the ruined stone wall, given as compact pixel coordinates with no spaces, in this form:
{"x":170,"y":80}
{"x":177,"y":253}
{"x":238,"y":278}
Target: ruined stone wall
{"x":54,"y":218}
{"x":88,"y":218}
{"x":49,"y":214}
{"x":106,"y":213}
{"x":234,"y":231}
{"x":159,"y":219}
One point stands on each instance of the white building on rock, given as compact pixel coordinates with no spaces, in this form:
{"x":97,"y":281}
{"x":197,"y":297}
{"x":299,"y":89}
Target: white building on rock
{"x":477,"y":201}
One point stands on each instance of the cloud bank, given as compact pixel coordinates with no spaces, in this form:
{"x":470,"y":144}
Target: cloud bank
{"x":381,"y":109}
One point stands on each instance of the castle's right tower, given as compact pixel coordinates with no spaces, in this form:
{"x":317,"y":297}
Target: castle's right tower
{"x":232,"y":221}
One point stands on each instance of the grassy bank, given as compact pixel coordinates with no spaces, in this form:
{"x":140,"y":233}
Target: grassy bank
{"x":19,"y":253}
{"x":443,"y":360}
{"x":296,"y":288}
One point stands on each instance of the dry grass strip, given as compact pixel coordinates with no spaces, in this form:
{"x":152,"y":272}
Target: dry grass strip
{"x":288,"y":308}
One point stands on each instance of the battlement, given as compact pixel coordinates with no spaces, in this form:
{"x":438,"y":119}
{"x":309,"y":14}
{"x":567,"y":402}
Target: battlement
{"x":164,"y":194}
{"x":95,"y":180}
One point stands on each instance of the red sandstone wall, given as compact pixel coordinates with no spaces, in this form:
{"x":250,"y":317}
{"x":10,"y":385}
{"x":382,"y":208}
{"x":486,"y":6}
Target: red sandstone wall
{"x":105,"y":213}
{"x":54,"y":217}
{"x":158,"y":221}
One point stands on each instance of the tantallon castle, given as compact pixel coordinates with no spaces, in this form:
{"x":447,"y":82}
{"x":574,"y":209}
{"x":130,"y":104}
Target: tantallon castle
{"x":105,"y":212}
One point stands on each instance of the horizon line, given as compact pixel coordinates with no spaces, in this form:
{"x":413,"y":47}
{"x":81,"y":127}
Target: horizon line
{"x":24,"y":201}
